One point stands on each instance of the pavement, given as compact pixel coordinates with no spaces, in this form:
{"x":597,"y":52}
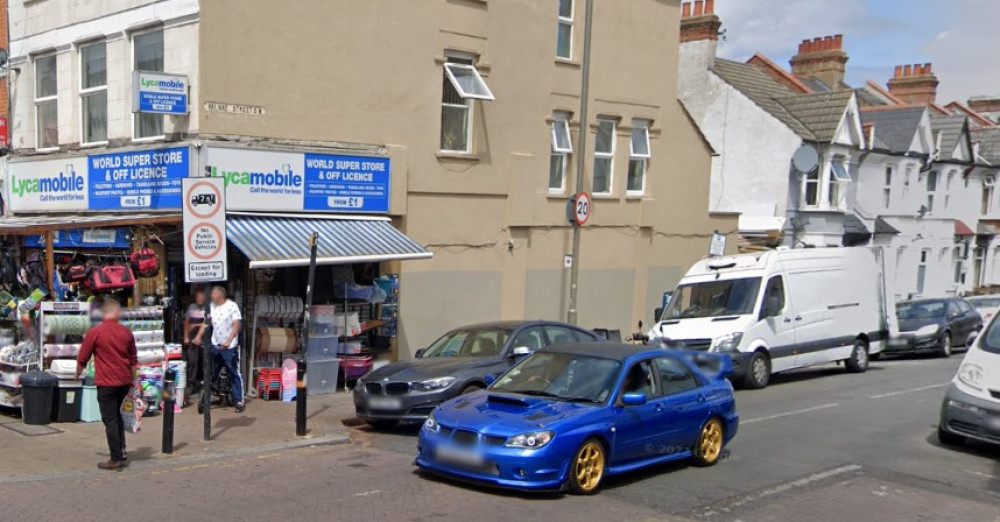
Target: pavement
{"x":819,"y":445}
{"x":70,"y":449}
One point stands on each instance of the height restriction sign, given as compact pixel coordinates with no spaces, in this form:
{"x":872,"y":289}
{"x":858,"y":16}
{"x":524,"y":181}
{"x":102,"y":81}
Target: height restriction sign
{"x":205,"y":230}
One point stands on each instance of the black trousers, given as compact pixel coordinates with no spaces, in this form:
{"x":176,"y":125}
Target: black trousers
{"x":110,"y":399}
{"x":195,"y":370}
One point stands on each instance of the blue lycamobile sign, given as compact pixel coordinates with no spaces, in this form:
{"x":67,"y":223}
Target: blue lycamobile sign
{"x":141,"y":181}
{"x":159,"y":93}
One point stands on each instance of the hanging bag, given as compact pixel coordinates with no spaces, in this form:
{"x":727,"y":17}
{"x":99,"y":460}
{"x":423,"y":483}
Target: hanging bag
{"x":144,"y":262}
{"x":111,"y":277}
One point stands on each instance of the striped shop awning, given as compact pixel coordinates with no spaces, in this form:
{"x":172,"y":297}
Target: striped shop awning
{"x":272,"y":241}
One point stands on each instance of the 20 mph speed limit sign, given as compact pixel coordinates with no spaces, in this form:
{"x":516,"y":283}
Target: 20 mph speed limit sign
{"x":205,"y":258}
{"x":580,"y":208}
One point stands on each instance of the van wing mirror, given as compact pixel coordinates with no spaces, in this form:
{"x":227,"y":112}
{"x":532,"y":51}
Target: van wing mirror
{"x":420,"y":353}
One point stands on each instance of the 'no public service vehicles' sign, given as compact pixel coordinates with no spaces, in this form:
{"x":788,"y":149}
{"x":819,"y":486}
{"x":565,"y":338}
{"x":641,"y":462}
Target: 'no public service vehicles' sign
{"x":205,"y":258}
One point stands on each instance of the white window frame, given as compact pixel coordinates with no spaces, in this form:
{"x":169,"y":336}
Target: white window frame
{"x":639,"y":158}
{"x":560,"y":123}
{"x":86,"y":91}
{"x":451,"y":67}
{"x":45,"y":100}
{"x":566,"y":22}
{"x":604,"y":155}
{"x":925,"y":255}
{"x":810,"y":178}
{"x":136,"y":115}
{"x":887,"y":188}
{"x":989,"y":187}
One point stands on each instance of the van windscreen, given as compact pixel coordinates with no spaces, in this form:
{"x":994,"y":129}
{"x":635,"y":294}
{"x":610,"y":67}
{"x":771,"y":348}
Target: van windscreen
{"x":714,"y":299}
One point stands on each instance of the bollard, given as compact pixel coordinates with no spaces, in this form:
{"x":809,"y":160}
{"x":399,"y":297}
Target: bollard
{"x":300,"y":400}
{"x":169,"y":385}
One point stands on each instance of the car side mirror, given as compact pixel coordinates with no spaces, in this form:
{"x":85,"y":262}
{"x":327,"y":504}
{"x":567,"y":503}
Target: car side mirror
{"x":420,"y":353}
{"x":634,"y":399}
{"x":490,"y":379}
{"x":520,"y":351}
{"x":657,"y":314}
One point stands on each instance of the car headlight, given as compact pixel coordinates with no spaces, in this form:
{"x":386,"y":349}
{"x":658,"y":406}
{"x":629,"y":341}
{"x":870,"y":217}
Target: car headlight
{"x":531,"y":440}
{"x":431,"y":424}
{"x":929,"y":330}
{"x":727,"y":343}
{"x":971,"y":375}
{"x":434,"y":384}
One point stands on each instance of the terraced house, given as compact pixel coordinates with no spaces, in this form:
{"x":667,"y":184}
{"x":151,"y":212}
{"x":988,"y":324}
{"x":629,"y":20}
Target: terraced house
{"x":810,"y":161}
{"x":464,"y":112}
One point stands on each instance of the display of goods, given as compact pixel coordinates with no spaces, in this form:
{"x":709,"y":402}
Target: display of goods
{"x":76,"y":324}
{"x":111,"y":277}
{"x":144,"y":263}
{"x":276,"y":340}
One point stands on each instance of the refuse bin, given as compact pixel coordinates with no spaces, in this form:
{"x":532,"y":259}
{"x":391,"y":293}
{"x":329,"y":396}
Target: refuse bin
{"x":66,"y":402}
{"x":37,"y":389}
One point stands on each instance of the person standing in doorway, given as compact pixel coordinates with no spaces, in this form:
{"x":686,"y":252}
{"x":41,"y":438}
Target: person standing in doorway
{"x":194,"y":331}
{"x":115,"y":370}
{"x":226,"y":320}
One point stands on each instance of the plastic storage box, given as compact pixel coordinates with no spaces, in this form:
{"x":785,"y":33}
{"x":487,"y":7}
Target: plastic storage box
{"x":90,"y":410}
{"x":67,"y":399}
{"x":322,"y":348}
{"x":356,"y":367}
{"x":321,"y":376}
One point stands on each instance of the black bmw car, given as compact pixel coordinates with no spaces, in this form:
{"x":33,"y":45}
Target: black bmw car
{"x":459,"y":362}
{"x":934,"y":326}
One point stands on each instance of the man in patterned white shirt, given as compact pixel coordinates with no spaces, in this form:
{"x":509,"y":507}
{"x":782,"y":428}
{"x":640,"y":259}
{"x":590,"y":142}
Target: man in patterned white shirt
{"x":226,"y":320}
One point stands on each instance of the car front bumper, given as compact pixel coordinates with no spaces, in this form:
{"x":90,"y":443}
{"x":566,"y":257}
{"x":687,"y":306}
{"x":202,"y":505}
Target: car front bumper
{"x":909,"y":344}
{"x":741,"y":362}
{"x":510,"y":468}
{"x":970,"y":416}
{"x":412,"y":406}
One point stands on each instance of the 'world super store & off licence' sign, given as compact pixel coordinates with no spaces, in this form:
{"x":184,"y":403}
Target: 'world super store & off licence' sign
{"x":144,"y":180}
{"x":128,"y":181}
{"x":272,"y":181}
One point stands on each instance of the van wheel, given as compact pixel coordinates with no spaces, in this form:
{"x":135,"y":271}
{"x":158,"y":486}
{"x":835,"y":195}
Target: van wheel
{"x":758,"y":372}
{"x":945,"y":349}
{"x":858,"y":362}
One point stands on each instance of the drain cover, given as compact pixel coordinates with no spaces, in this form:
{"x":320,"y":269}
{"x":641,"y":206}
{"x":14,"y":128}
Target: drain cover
{"x":30,"y":430}
{"x":358,"y":465}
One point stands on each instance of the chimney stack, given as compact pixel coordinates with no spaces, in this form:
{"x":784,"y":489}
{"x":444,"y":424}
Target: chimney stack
{"x":823,"y":59}
{"x":986,"y":106}
{"x":699,"y":22}
{"x":914,"y":84}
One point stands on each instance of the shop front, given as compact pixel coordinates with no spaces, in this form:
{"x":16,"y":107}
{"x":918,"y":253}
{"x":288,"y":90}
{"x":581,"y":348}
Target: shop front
{"x":79,"y":225}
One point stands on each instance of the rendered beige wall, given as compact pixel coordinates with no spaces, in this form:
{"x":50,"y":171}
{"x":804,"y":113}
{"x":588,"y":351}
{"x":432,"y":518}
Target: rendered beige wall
{"x":371,"y":72}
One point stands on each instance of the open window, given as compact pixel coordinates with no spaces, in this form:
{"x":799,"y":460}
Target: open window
{"x":840,"y":172}
{"x":468,"y":82}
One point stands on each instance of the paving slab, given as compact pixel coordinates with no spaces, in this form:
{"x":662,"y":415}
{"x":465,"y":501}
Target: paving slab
{"x":67,"y":449}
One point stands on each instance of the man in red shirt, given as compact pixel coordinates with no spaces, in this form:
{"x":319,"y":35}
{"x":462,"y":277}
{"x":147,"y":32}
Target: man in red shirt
{"x":113,"y":348}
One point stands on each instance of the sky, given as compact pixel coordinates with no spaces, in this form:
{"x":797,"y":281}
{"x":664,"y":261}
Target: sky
{"x":960,"y":37}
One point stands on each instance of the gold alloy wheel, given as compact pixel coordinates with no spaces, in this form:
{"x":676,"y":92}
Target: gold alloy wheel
{"x":589,"y":466}
{"x":710,"y":443}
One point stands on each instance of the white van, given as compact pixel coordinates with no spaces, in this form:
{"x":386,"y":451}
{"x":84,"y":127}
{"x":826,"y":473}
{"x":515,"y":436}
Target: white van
{"x":780,"y":310}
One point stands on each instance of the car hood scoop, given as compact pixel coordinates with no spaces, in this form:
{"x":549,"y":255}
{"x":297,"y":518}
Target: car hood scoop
{"x":504,"y":414}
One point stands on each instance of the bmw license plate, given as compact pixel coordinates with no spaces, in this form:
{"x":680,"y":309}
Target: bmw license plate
{"x":459,"y":457}
{"x":385,"y":403}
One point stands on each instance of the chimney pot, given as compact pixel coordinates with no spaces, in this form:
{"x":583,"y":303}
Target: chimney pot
{"x":838,"y":42}
{"x":804,"y":47}
{"x":709,"y":7}
{"x":899,"y":71}
{"x":908,"y":71}
{"x":686,"y":10}
{"x":699,"y":7}
{"x":928,"y":69}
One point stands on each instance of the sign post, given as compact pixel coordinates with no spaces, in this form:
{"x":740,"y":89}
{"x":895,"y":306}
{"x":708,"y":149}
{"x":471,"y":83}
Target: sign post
{"x":205,"y":258}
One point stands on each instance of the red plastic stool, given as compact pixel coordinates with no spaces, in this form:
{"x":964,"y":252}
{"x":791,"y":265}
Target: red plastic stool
{"x":268,"y":383}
